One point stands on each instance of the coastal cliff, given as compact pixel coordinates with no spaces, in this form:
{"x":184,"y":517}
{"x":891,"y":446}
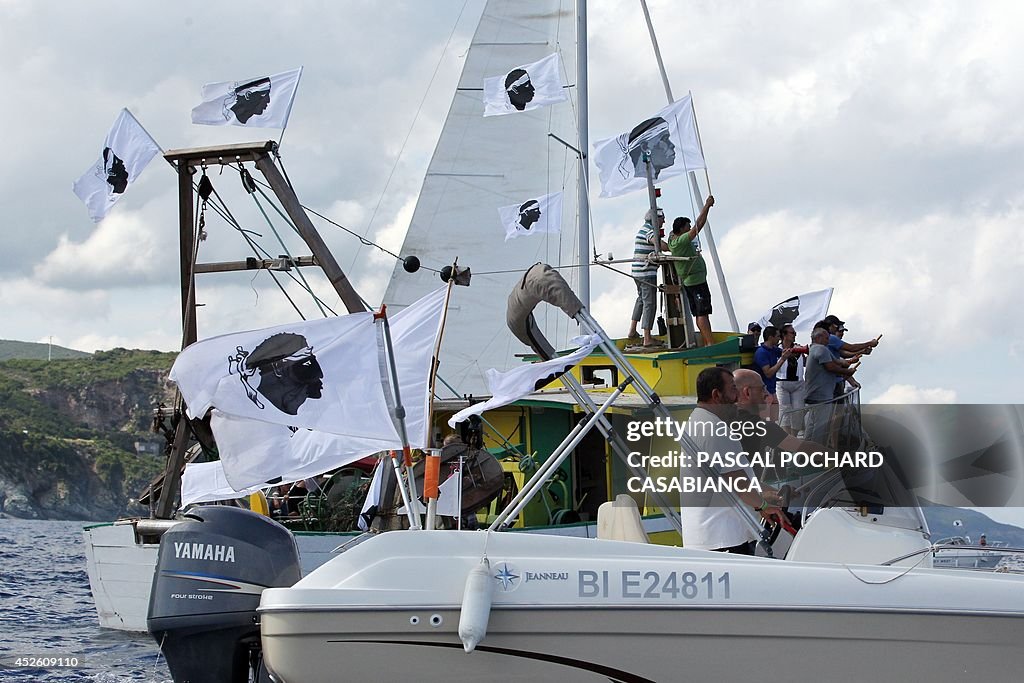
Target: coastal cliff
{"x":75,"y":437}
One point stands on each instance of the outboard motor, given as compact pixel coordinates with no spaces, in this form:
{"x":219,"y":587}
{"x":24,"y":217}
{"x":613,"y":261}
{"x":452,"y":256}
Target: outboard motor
{"x":211,"y":571}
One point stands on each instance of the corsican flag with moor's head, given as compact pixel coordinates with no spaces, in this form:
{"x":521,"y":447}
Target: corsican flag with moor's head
{"x":297,"y":400}
{"x":127,"y":149}
{"x":543,"y":214}
{"x":525,"y":87}
{"x":259,"y":102}
{"x":800,"y":311}
{"x":669,"y":138}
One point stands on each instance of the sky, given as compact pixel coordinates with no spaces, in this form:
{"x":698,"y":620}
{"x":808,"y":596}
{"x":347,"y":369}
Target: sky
{"x":872,"y":147}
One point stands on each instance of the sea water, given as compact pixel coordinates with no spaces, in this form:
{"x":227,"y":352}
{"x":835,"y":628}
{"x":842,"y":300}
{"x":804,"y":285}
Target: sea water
{"x":47,"y":612}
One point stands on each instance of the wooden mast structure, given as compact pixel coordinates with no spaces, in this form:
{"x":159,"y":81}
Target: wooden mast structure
{"x":185,"y":162}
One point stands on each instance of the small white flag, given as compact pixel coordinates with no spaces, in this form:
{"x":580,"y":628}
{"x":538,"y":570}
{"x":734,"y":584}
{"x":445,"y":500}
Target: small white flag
{"x":261,"y":102}
{"x":543,"y":214}
{"x":372,"y":502}
{"x":506,"y":387}
{"x":204,"y":482}
{"x":671,"y":138}
{"x":126,"y":151}
{"x":448,"y":496}
{"x":800,"y":311}
{"x":525,"y":87}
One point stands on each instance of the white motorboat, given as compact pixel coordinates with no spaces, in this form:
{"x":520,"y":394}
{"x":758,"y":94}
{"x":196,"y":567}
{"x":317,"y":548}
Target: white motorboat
{"x":856,"y":588}
{"x":957,"y":552}
{"x":589,"y":610}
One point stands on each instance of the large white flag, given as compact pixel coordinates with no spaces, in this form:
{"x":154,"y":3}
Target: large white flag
{"x":800,"y":311}
{"x":543,"y":214}
{"x":261,"y":102}
{"x":507,"y":387}
{"x":255,"y":450}
{"x":671,"y":137}
{"x":525,"y":87}
{"x":320,"y":375}
{"x":127,"y":150}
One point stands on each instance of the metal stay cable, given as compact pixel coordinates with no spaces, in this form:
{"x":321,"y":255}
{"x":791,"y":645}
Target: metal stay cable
{"x":280,"y":241}
{"x":426,"y":91}
{"x":363,"y":240}
{"x":229,"y":218}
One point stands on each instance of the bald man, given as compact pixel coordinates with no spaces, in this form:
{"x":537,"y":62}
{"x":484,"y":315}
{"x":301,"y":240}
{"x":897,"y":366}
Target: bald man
{"x":751,"y":398}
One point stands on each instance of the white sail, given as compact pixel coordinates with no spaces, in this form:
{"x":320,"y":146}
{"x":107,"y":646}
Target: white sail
{"x":481,"y":164}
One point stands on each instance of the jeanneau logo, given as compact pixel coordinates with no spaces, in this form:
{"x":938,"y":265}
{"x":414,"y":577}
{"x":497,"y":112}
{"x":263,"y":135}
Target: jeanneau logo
{"x":507,"y":577}
{"x":546,"y":576}
{"x":204,"y":551}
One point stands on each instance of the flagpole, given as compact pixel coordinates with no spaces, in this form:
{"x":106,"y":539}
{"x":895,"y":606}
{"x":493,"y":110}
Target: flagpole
{"x":583,"y":186}
{"x":298,"y":79}
{"x":151,"y":138}
{"x":693,"y":176}
{"x":700,"y":143}
{"x":432,"y":463}
{"x":406,"y":485}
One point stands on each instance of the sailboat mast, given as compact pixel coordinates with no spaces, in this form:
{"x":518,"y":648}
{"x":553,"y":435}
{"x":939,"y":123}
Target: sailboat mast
{"x":693,"y":179}
{"x":583,"y":186}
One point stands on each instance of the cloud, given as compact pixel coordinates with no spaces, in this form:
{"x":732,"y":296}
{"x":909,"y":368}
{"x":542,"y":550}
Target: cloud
{"x":871,"y":147}
{"x":123,"y":250}
{"x":908,"y":394}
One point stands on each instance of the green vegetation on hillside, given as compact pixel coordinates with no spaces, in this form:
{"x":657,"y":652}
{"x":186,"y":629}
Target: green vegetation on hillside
{"x":69,"y":429}
{"x":30,"y":350}
{"x":101,"y":366}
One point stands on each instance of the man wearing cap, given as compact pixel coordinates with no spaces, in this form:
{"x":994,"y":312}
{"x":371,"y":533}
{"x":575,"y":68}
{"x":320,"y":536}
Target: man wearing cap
{"x":821,"y":377}
{"x":648,"y":242}
{"x":843,"y":349}
{"x":693,"y":273}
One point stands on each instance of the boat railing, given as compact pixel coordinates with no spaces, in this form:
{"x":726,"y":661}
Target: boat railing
{"x":937,"y":548}
{"x":837,"y":426}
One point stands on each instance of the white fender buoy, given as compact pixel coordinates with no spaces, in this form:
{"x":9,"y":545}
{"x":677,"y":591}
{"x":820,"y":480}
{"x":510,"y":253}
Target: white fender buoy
{"x":476,"y":606}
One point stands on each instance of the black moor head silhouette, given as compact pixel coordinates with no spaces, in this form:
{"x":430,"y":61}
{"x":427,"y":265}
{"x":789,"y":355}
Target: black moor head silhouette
{"x":289,"y":372}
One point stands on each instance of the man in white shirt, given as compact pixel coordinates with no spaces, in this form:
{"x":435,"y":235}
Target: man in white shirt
{"x":709,"y":520}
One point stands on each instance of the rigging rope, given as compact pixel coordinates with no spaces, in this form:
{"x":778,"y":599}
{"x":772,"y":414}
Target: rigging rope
{"x":226,"y":214}
{"x":305,"y":284}
{"x":408,"y":134}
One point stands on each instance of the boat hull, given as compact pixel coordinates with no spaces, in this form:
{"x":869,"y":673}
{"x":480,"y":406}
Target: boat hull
{"x":120,"y":568}
{"x":643,"y":645}
{"x":589,"y":610}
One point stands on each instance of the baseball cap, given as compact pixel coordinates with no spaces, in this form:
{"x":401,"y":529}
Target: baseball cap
{"x":833,"y":320}
{"x":753,"y":325}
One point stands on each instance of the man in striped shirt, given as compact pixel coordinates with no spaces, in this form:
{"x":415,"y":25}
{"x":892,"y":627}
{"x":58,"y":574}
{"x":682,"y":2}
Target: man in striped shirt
{"x":645,"y":274}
